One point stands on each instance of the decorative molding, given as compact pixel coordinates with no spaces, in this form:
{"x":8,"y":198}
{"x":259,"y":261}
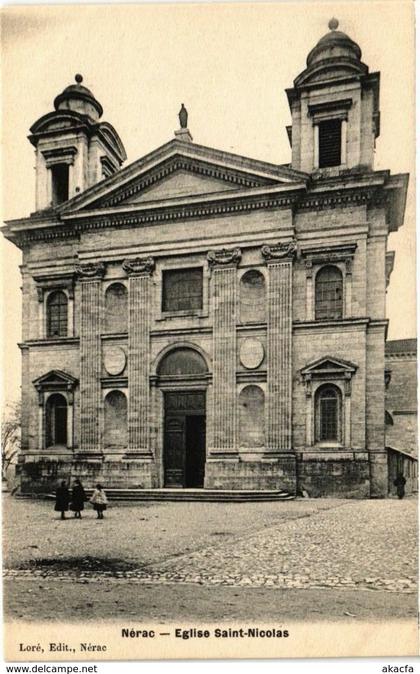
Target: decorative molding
{"x":154,"y":217}
{"x":62,"y":155}
{"x":329,"y":369}
{"x":279,"y":251}
{"x":309,"y":268}
{"x":389,"y":265}
{"x":139,"y":266}
{"x":55,"y":380}
{"x":224,"y":257}
{"x":90,"y":270}
{"x":225,"y":175}
{"x":255,"y":376}
{"x":114,"y":382}
{"x":54,"y":282}
{"x":337,"y":199}
{"x":341,"y":253}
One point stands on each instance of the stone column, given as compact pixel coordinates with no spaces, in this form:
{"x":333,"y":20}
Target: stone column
{"x":223,"y":433}
{"x":90,"y":275}
{"x":139,"y":271}
{"x":279,"y":347}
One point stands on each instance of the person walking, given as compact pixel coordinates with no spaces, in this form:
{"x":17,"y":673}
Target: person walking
{"x":99,"y":501}
{"x":78,"y":498}
{"x":399,"y":483}
{"x":62,"y":499}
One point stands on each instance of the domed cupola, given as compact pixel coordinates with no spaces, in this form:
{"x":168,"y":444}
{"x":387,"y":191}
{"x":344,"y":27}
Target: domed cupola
{"x":335,"y":108}
{"x":333,"y":45}
{"x":80,"y":99}
{"x":73,"y":148}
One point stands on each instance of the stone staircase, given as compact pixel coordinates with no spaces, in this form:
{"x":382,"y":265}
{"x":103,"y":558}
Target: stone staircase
{"x":205,"y":495}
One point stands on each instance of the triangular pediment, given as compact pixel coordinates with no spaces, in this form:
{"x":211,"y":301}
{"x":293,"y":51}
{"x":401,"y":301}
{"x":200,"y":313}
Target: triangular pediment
{"x":328,"y":364}
{"x":178,"y":170}
{"x":179,"y":183}
{"x":55,"y":379}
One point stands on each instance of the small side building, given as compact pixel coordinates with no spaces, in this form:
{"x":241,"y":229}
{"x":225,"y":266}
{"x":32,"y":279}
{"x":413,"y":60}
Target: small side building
{"x":401,"y":412}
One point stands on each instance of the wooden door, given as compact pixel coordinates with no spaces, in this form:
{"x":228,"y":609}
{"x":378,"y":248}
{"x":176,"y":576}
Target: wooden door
{"x":195,"y":450}
{"x":184,"y":439}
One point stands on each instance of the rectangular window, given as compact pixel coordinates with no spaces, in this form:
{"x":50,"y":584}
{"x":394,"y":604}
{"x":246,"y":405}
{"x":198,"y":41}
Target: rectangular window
{"x":329,"y":143}
{"x":60,"y":183}
{"x":328,"y":414}
{"x":182,"y":290}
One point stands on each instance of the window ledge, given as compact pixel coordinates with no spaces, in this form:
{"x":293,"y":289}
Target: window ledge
{"x":188,"y":313}
{"x":329,"y":445}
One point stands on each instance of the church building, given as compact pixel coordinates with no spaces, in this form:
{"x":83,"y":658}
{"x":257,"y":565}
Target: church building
{"x":203,"y":320}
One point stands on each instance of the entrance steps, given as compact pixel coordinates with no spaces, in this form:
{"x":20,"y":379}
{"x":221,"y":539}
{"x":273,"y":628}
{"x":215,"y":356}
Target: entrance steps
{"x":205,"y":495}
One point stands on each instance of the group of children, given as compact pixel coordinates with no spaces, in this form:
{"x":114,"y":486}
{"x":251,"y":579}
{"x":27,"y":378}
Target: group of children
{"x":76,"y":501}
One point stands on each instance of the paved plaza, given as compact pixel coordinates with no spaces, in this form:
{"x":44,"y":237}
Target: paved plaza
{"x":317,"y":546}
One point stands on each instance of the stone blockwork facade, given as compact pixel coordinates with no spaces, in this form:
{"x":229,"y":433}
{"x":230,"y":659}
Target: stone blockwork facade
{"x":201,"y":319}
{"x":401,"y":411}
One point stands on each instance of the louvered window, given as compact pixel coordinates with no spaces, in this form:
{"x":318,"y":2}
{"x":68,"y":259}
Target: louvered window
{"x":60,"y":183}
{"x":182,"y":290}
{"x":330,"y":143}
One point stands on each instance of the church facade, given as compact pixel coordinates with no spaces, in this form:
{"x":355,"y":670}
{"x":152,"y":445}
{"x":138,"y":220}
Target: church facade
{"x":200,"y":319}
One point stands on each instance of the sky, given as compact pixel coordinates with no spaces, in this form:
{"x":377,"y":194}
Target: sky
{"x":229,"y":64}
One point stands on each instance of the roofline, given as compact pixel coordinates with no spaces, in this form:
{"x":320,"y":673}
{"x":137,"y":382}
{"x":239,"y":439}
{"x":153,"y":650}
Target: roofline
{"x":191,"y":150}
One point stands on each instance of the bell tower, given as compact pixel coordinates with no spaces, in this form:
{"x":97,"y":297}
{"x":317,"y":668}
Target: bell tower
{"x":73,"y":148}
{"x":334,"y":104}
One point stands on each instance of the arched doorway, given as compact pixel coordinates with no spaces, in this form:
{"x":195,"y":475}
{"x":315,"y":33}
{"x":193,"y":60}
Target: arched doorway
{"x":182,"y":375}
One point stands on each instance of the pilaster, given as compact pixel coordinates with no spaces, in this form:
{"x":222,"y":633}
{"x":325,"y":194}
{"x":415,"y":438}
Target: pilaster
{"x":223,"y":433}
{"x":279,"y":260}
{"x":139,"y":271}
{"x":90,"y":276}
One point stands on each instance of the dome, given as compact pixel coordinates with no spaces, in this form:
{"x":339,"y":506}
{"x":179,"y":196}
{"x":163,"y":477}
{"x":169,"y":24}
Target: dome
{"x":332,"y":45}
{"x":80,"y":99}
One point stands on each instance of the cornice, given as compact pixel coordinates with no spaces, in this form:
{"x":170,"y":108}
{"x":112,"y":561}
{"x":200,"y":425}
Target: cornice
{"x":368,"y":190}
{"x":61,"y":341}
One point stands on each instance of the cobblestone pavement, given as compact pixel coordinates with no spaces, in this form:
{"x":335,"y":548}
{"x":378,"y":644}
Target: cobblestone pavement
{"x":299,"y":544}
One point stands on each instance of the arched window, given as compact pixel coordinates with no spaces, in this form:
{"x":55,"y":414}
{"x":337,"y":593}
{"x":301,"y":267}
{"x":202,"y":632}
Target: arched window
{"x":116,"y":308}
{"x":251,"y":417}
{"x":252,"y":297}
{"x":182,"y":361}
{"x":115,"y":420}
{"x":328,"y":414}
{"x":56,"y":420}
{"x":389,"y":421}
{"x":57,"y":314}
{"x":329,"y":294}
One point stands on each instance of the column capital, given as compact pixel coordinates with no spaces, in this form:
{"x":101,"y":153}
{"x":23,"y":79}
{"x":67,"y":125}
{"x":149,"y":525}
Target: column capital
{"x":90,"y":271}
{"x":225,"y":257}
{"x":309,"y":268}
{"x":280,"y":251}
{"x":139,"y":266}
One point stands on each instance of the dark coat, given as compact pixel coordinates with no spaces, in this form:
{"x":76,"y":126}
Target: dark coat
{"x":78,"y":498}
{"x":399,"y":483}
{"x":62,"y":498}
